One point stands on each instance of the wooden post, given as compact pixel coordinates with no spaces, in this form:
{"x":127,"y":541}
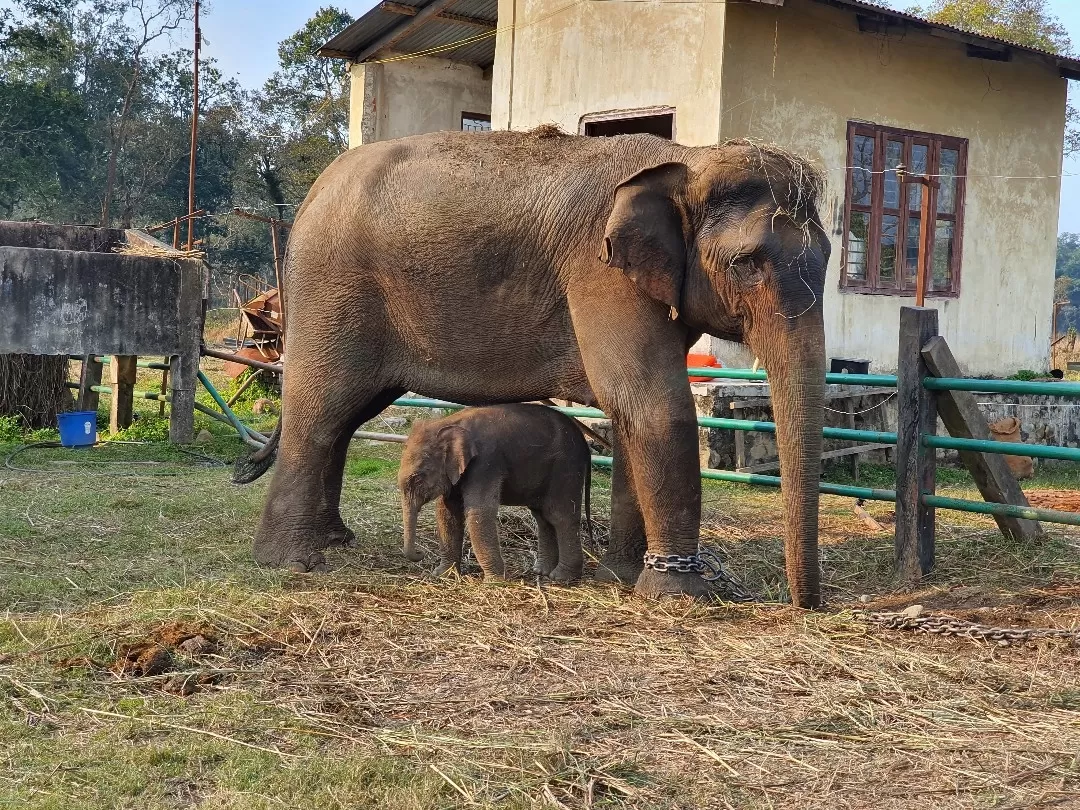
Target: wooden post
{"x":963,"y":419}
{"x":90,"y":376}
{"x":164,"y":388}
{"x":122,"y":370}
{"x":915,"y":464}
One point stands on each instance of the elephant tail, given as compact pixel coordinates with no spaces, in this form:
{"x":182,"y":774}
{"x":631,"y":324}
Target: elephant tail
{"x":252,"y":466}
{"x":588,"y":492}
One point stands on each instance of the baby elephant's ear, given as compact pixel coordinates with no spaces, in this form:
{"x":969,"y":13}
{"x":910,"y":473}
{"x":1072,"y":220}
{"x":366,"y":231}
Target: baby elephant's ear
{"x":458,"y":451}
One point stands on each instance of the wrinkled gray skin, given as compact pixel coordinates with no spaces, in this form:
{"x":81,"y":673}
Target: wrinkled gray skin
{"x":479,"y":458}
{"x":505,"y":266}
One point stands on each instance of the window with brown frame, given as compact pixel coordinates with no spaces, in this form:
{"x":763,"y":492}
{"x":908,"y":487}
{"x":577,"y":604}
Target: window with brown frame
{"x":882,"y":216}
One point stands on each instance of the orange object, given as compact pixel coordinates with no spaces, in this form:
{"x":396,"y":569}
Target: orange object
{"x":702,"y":361}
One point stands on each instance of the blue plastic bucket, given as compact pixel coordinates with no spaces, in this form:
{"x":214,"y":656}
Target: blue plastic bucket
{"x":77,"y":428}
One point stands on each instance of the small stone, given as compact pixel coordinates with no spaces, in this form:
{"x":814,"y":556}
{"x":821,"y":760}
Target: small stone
{"x":965,"y":592}
{"x":182,"y":685}
{"x":261,"y":406}
{"x":204,"y":437}
{"x":912,"y":612}
{"x":395,"y":421}
{"x":197,"y":645}
{"x":866,"y":599}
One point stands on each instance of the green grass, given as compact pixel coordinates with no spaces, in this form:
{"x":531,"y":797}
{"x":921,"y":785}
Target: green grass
{"x":372,"y":687}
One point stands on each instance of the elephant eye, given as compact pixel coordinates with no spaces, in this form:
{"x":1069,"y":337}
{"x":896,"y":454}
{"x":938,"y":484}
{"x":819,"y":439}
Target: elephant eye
{"x":746,"y":271}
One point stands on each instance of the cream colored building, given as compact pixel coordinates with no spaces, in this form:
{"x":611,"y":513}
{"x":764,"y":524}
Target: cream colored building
{"x":853,"y":86}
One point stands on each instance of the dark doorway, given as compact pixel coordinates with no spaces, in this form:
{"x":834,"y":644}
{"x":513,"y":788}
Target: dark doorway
{"x":662,"y":124}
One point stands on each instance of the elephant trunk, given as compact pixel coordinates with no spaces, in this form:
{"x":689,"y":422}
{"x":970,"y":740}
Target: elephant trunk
{"x":797,"y":383}
{"x":410,"y":510}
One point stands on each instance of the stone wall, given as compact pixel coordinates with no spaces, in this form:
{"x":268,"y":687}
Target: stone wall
{"x":846,"y":407}
{"x":1043,"y":420}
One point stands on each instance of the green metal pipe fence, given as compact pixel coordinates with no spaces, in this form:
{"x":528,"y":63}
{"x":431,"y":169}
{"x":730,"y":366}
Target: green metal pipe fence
{"x":107,"y":389}
{"x":1009,"y":510}
{"x":1053,"y":389}
{"x":875,"y":380}
{"x":756,"y":479}
{"x":1002,"y":448}
{"x":844,"y":434}
{"x":138,"y":363}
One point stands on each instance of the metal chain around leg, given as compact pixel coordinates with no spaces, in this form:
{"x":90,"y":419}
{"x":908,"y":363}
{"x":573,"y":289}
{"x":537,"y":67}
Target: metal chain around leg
{"x":713,"y":571}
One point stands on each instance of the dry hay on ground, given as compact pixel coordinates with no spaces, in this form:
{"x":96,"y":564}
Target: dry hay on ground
{"x":515,"y":695}
{"x":572,"y":696}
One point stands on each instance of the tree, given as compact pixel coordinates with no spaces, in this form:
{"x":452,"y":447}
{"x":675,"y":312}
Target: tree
{"x":1067,"y":279}
{"x":155,"y":21}
{"x":1026,"y":22}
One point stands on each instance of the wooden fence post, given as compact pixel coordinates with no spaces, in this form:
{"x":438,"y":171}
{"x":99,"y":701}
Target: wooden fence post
{"x":90,"y":376}
{"x":962,"y":418}
{"x":915,"y":464}
{"x":123,"y":371}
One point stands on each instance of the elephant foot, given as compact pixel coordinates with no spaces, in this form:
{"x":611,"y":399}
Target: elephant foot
{"x":619,"y":570}
{"x":542,"y":569}
{"x":565,"y":575}
{"x":654,"y":584}
{"x":340,"y":535}
{"x":301,"y":551}
{"x":314,"y":563}
{"x":444,"y":567}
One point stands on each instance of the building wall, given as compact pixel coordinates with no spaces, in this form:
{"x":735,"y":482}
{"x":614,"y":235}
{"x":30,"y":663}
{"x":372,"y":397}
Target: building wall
{"x":413,"y":96}
{"x":561,"y":61}
{"x":795,"y":75}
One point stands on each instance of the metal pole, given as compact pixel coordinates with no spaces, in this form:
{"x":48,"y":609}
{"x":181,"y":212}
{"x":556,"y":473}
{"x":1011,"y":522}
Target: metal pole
{"x":924,"y":247}
{"x":277,"y":277}
{"x":194,"y":134}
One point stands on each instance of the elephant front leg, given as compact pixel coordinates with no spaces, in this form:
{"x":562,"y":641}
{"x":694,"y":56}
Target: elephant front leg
{"x":662,"y":446}
{"x":483,"y":523}
{"x":450,"y":517}
{"x":623,"y":560}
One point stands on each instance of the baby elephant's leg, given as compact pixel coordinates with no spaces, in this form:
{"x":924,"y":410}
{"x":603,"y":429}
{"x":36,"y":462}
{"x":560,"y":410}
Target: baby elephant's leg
{"x":567,"y":523}
{"x":451,"y":523}
{"x":483,"y":523}
{"x":547,"y":546}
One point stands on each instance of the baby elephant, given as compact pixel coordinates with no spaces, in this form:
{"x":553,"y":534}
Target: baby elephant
{"x":479,"y":458}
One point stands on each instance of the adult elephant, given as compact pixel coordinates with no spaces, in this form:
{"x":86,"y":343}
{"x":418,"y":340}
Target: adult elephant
{"x":516,"y":266}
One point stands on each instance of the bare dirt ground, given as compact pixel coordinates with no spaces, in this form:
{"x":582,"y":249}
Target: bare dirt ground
{"x":145,"y":662}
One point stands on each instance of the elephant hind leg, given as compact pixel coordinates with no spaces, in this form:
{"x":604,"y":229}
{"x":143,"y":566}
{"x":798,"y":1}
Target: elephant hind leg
{"x":624,"y":559}
{"x":547,"y":545}
{"x":567,"y":523}
{"x":301,"y":515}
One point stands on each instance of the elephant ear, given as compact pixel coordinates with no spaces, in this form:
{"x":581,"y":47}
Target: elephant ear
{"x":644,"y":233}
{"x":458,"y":451}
